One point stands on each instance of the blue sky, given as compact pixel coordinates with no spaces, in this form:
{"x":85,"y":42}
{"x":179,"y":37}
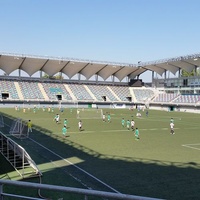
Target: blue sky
{"x":125,"y":31}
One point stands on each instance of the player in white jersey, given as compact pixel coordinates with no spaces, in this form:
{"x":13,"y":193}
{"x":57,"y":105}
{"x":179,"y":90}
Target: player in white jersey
{"x":172,"y":128}
{"x":80,"y":125}
{"x":132,"y":124}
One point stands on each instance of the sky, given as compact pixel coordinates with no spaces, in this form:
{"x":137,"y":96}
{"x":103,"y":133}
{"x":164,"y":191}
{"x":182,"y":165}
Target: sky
{"x":124,"y":31}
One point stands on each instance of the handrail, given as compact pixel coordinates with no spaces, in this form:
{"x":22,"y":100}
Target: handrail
{"x":84,"y":192}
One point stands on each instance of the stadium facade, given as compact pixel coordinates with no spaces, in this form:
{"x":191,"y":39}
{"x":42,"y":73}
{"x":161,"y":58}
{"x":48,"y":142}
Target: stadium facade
{"x":86,"y":82}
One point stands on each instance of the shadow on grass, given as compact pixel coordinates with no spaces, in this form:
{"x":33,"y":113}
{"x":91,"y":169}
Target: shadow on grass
{"x":54,"y":155}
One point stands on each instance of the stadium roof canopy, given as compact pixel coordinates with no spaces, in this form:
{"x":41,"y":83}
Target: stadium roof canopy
{"x":88,"y":68}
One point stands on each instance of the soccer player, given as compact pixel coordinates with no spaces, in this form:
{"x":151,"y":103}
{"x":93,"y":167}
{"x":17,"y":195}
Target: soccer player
{"x":34,"y":110}
{"x":128,"y":124}
{"x":64,"y":131}
{"x":80,"y":125}
{"x":137,"y":134}
{"x":61,"y":110}
{"x":65,"y":122}
{"x":138,"y":115}
{"x":132,"y":124}
{"x":123,"y":122}
{"x":104,"y":118}
{"x":147,"y":113}
{"x":172,"y":128}
{"x":29,"y":124}
{"x":57,"y":118}
{"x":109,"y":118}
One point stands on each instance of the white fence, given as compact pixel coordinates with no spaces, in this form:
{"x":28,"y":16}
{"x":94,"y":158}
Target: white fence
{"x":86,"y":193}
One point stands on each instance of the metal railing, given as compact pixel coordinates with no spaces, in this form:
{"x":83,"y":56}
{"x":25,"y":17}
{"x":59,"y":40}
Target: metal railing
{"x":85,"y":192}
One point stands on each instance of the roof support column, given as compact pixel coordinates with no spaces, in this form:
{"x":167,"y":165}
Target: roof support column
{"x":153,"y":81}
{"x":79,"y":77}
{"x":195,"y":70}
{"x":152,"y":75}
{"x":60,"y":74}
{"x":40,"y":74}
{"x":113,"y":79}
{"x":165,"y":74}
{"x":19,"y":72}
{"x":179,"y":72}
{"x":96,"y":78}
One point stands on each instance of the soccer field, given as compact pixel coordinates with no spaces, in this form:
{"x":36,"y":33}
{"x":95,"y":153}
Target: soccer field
{"x":106,"y":156}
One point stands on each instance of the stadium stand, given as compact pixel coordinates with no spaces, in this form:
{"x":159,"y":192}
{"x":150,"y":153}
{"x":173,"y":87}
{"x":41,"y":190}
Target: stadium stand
{"x":80,"y":92}
{"x":143,"y":94}
{"x":8,"y":87}
{"x":102,"y":93}
{"x":187,"y":99}
{"x":122,"y":92}
{"x":49,"y":91}
{"x":105,"y":81}
{"x":30,"y":90}
{"x":165,"y":97}
{"x":54,"y":89}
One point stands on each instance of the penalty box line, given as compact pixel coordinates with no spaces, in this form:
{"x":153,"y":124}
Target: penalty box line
{"x":76,"y":166}
{"x":191,"y":146}
{"x":125,"y":130}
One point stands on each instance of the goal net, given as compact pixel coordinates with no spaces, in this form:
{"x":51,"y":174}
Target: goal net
{"x":1,"y":121}
{"x":89,"y":113}
{"x":18,"y":157}
{"x":18,"y":129}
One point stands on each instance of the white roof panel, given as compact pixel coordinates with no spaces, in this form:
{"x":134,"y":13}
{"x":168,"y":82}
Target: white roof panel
{"x":52,"y":65}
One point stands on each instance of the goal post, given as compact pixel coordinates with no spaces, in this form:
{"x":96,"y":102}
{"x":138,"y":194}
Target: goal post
{"x":19,"y":129}
{"x":18,"y":157}
{"x":87,"y":113}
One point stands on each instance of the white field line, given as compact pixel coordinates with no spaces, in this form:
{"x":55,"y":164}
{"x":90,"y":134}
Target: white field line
{"x":76,"y":166}
{"x":123,"y":130}
{"x":190,"y":146}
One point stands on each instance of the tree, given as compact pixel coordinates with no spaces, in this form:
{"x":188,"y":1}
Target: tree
{"x":57,"y":76}
{"x":45,"y":76}
{"x":185,"y":73}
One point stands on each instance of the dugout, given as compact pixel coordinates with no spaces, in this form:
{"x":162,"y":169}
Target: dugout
{"x":59,"y":96}
{"x":129,"y":98}
{"x":104,"y":98}
{"x":5,"y":95}
{"x":171,"y":108}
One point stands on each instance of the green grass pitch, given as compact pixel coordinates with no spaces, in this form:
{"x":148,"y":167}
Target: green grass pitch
{"x":106,"y":156}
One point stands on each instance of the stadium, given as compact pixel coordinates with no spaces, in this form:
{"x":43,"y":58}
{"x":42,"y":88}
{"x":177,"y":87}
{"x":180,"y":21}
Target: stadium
{"x":90,"y":83}
{"x":103,"y":160}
